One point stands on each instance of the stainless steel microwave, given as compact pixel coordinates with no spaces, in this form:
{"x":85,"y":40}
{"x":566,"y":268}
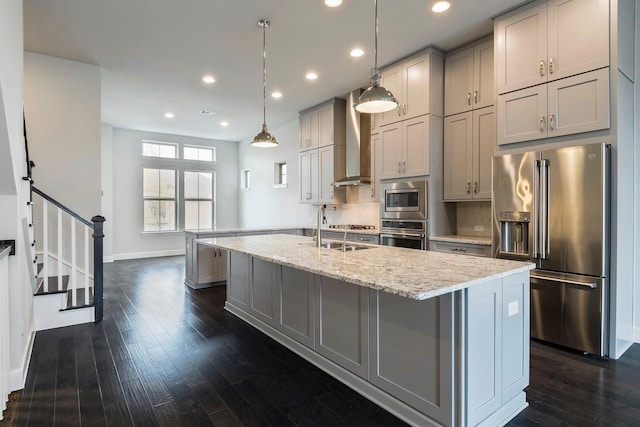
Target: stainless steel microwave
{"x":403,"y":199}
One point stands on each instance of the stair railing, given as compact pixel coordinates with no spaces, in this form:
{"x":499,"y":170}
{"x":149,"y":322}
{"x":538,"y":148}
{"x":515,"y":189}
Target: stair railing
{"x":95,"y":227}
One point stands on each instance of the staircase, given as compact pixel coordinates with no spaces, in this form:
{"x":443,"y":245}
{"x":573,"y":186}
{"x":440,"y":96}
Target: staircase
{"x":65,"y":261}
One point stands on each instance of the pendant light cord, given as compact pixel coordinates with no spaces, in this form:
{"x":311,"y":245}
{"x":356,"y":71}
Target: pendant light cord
{"x":264,"y":25}
{"x":375,"y":45}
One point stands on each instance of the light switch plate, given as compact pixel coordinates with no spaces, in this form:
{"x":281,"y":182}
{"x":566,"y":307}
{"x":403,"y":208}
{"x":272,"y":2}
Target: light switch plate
{"x":513,"y":308}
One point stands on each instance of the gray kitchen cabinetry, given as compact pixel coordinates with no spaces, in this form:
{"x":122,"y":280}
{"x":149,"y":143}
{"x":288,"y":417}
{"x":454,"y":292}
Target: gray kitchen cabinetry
{"x":469,"y":139}
{"x":549,"y":41}
{"x":469,"y":79}
{"x":562,"y":107}
{"x":297,"y":310}
{"x":204,"y":266}
{"x":461,"y":248}
{"x":494,"y":370}
{"x":342,"y":324}
{"x":323,"y":154}
{"x":405,"y":147}
{"x":416,"y":82}
{"x":376,"y":162}
{"x":404,"y":333}
{"x":238,"y":285}
{"x":265,"y":301}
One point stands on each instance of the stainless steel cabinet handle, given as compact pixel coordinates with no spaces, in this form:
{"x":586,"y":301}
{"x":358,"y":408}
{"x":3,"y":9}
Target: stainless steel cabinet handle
{"x":399,"y":110}
{"x":541,"y":68}
{"x":404,"y":109}
{"x":475,"y":96}
{"x":404,"y":167}
{"x":468,"y":98}
{"x":373,"y":192}
{"x":399,"y":167}
{"x":571,"y":282}
{"x":550,"y":65}
{"x":544,"y":209}
{"x":541,"y":123}
{"x":536,"y":208}
{"x":468,"y":187}
{"x":551,"y":119}
{"x":459,"y":249}
{"x":475,"y":187}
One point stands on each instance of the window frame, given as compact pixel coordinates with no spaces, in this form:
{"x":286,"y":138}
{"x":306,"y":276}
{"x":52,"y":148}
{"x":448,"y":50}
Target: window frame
{"x":175,"y":200}
{"x":200,"y":147}
{"x":186,"y":199}
{"x":280,"y":179}
{"x":176,"y":147}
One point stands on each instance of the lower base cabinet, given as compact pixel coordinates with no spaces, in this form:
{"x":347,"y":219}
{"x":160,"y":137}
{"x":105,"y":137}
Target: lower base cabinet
{"x":457,"y":359}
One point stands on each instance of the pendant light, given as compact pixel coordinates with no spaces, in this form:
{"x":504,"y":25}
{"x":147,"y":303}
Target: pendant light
{"x":264,"y":139}
{"x":376,"y":99}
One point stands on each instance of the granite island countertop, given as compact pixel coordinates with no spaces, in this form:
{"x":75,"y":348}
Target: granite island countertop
{"x":406,"y":272}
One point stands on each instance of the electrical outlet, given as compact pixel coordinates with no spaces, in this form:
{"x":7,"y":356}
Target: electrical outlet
{"x":478,"y":228}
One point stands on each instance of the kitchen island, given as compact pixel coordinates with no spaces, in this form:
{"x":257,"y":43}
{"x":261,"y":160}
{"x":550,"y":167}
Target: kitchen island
{"x":434,"y":338}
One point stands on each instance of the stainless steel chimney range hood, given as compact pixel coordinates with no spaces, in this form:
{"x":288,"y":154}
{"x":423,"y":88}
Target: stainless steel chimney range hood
{"x":358,"y":153}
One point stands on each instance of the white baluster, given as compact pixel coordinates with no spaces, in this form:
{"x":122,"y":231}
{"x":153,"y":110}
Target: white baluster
{"x":86,"y":265}
{"x":74,"y":293}
{"x":45,"y":245}
{"x":59,"y":248}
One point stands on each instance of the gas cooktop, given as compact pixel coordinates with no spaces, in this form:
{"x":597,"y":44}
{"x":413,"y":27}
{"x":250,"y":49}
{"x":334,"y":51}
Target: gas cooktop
{"x":353,"y":227}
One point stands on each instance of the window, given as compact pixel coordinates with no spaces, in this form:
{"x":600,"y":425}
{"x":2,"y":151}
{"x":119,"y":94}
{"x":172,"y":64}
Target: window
{"x":159,"y":192}
{"x":165,"y":150}
{"x":205,"y":154}
{"x":245,"y":179}
{"x":198,"y":200}
{"x":280,"y":175}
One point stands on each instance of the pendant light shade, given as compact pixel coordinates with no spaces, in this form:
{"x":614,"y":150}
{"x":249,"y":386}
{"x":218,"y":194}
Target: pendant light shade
{"x":264,"y":139}
{"x":376,"y":99}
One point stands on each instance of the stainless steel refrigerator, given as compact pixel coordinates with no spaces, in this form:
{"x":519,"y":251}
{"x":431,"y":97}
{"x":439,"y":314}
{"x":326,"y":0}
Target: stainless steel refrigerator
{"x":552,"y":207}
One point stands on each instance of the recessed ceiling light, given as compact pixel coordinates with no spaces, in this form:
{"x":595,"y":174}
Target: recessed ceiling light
{"x":333,"y":3}
{"x":440,"y":6}
{"x":357,"y":52}
{"x":224,"y":123}
{"x":311,"y":76}
{"x":169,"y":115}
{"x":208,"y":79}
{"x":276,"y":94}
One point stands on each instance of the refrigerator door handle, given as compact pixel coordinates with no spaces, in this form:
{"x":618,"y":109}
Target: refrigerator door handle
{"x":571,"y":282}
{"x":536,"y":209}
{"x":544,"y":209}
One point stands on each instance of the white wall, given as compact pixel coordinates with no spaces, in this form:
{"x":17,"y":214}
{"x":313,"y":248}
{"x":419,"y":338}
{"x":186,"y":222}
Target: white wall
{"x":637,"y":179}
{"x":263,"y":205}
{"x":106,"y":178}
{"x":128,"y":239}
{"x":62,"y":105}
{"x":12,"y":199}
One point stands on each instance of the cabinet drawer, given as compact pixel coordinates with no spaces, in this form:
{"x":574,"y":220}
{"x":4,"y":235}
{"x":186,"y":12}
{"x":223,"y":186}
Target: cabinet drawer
{"x":363,"y":238}
{"x":461,"y":248}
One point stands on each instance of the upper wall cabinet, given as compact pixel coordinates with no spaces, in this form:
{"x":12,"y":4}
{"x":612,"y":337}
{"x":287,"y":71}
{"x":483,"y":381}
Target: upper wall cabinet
{"x":468,"y":79}
{"x":323,"y":125}
{"x":413,"y":81}
{"x":551,"y":41}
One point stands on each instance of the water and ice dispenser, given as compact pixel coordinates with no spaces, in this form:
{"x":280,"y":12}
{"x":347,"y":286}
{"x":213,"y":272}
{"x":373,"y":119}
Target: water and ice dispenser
{"x":514,"y":233}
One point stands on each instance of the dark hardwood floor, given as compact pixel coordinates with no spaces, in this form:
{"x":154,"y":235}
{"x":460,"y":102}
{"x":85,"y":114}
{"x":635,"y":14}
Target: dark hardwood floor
{"x":166,"y":355}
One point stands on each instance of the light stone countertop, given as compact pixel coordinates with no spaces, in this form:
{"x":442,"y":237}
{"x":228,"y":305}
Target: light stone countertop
{"x":406,"y":272}
{"x":454,"y":238}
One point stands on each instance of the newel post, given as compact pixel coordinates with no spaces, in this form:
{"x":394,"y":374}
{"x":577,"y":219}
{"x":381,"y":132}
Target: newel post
{"x":98,"y":235}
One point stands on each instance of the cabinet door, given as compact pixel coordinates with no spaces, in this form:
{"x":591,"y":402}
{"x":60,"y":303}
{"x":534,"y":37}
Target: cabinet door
{"x":221,"y":262}
{"x":415,"y":146}
{"x":391,"y":140}
{"x":484,"y":139}
{"x":579,"y":103}
{"x":265,"y":301}
{"x":297,"y":312}
{"x":578,"y":36}
{"x":308,"y":164}
{"x":522,"y":115}
{"x":207,"y":264}
{"x":392,"y":81}
{"x":239,"y":272}
{"x":521,"y":44}
{"x":305,"y":131}
{"x":325,"y":125}
{"x":325,"y":168}
{"x":483,"y":76}
{"x":314,"y":124}
{"x":415,"y":87}
{"x":458,"y":82}
{"x":458,"y":138}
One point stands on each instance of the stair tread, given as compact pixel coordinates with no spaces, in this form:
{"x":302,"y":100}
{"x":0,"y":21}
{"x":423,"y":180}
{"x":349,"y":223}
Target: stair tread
{"x":53,"y":287}
{"x":79,"y":299}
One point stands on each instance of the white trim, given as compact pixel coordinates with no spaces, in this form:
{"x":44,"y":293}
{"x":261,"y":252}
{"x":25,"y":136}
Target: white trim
{"x":149,"y":254}
{"x":107,"y":258}
{"x":18,"y":376}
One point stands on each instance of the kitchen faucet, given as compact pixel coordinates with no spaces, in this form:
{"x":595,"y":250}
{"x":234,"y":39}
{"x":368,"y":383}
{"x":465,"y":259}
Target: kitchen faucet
{"x":321,"y":219}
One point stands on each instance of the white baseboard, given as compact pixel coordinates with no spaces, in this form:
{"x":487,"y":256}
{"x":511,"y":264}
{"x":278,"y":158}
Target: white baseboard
{"x":18,"y":376}
{"x":150,"y":254}
{"x":107,"y":259}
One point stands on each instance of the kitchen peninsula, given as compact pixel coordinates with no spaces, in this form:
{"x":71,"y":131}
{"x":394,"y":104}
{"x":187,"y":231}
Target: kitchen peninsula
{"x":434,"y":338}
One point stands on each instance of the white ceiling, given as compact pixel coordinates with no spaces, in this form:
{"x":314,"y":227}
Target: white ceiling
{"x":153,"y":53}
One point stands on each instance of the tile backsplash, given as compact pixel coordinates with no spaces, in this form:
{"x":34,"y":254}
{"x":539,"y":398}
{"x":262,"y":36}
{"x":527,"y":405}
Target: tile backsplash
{"x":474,"y":219}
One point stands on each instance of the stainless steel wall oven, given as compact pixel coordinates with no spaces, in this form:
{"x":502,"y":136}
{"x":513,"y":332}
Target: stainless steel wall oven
{"x":403,"y":213}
